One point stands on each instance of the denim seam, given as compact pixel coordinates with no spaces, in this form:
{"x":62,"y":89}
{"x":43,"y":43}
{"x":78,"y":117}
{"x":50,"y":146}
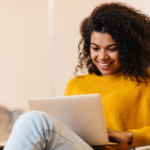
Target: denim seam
{"x":50,"y":131}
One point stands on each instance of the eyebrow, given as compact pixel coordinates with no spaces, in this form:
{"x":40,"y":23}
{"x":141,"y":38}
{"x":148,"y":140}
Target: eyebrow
{"x":107,"y":45}
{"x":112,"y":44}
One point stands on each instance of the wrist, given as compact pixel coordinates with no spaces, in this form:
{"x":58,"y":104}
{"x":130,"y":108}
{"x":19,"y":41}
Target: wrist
{"x":129,"y":137}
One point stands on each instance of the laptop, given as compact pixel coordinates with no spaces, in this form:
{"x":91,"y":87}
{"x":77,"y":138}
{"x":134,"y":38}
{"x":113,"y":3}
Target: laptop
{"x":83,"y":114}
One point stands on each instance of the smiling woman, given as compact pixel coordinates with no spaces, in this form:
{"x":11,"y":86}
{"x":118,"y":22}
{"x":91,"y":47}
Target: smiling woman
{"x":128,"y":28}
{"x":104,"y":53}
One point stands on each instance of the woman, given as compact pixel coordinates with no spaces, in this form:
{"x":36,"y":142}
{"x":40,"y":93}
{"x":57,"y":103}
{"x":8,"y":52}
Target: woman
{"x":115,"y":51}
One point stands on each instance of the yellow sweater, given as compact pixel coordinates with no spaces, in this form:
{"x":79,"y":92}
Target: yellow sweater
{"x":126,"y":105}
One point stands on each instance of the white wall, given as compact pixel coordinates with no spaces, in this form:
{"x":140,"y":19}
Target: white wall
{"x":24,"y":52}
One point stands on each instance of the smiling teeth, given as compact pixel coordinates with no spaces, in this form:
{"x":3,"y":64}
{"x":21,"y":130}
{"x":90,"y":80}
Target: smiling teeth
{"x":105,"y":64}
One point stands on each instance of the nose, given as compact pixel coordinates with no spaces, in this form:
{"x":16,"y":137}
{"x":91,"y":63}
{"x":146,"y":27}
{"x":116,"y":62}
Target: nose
{"x":102,"y":54}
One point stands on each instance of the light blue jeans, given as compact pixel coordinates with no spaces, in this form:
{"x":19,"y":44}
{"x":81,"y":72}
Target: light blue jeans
{"x":39,"y":131}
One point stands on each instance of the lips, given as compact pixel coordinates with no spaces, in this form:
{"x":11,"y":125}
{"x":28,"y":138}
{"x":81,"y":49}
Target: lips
{"x":105,"y":65}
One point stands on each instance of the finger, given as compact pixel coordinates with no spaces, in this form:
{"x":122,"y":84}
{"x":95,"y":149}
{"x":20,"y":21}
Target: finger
{"x":109,"y":130}
{"x":113,"y":140}
{"x":110,"y":134}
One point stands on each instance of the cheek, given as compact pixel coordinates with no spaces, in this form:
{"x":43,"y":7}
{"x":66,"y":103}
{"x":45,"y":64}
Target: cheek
{"x":93,"y":55}
{"x":115,"y":56}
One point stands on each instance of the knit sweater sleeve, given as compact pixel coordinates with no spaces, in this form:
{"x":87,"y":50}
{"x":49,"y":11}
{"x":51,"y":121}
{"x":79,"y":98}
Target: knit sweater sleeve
{"x":142,"y":136}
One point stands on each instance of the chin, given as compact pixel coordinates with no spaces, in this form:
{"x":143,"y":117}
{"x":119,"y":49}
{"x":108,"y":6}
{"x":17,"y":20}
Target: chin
{"x":106,"y":73}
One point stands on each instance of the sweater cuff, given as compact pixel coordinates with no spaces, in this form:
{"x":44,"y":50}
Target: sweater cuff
{"x":140,"y":137}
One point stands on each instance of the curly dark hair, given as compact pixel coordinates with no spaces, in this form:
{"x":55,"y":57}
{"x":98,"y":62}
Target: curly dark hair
{"x":130,"y":29}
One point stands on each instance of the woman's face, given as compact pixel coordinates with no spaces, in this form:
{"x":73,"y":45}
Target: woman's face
{"x":104,"y":53}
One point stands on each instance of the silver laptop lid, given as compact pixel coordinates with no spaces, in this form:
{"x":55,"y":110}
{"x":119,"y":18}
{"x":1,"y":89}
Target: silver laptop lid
{"x":83,"y":114}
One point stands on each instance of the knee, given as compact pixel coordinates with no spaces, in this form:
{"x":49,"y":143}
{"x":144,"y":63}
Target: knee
{"x":30,"y":116}
{"x":33,"y":124}
{"x":36,"y":121}
{"x":34,"y":117}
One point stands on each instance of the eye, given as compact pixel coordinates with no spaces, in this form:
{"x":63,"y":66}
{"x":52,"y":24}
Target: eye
{"x":112,"y":49}
{"x":95,"y":48}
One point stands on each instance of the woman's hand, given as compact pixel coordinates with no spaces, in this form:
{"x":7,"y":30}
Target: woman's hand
{"x":121,"y":137}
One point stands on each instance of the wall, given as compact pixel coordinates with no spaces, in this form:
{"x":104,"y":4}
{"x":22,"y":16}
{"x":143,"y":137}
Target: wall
{"x":24,"y":52}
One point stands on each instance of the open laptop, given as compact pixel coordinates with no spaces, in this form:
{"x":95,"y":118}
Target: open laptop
{"x":83,"y":114}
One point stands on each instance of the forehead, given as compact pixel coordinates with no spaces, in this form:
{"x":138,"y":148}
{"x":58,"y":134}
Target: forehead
{"x":101,"y":39}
